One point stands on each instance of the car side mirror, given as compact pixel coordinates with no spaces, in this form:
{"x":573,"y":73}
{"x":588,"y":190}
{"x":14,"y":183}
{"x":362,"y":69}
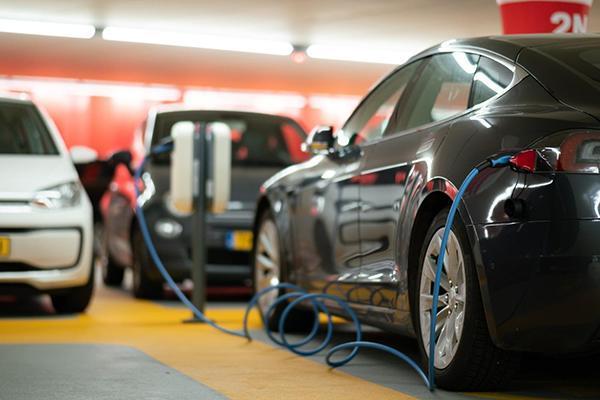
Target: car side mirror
{"x":319,"y":141}
{"x":83,"y":155}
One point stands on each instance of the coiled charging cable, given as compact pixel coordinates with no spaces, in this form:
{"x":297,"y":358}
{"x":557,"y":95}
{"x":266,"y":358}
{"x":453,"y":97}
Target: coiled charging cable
{"x":295,"y":295}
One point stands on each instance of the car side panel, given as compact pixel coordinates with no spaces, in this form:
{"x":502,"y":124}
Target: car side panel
{"x":395,"y":172}
{"x":513,"y":122}
{"x":323,"y":209}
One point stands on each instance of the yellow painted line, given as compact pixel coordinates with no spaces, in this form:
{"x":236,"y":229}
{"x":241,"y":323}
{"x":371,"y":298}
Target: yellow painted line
{"x":229,"y":365}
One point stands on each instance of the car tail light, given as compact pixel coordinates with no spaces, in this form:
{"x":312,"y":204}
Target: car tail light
{"x":568,"y":152}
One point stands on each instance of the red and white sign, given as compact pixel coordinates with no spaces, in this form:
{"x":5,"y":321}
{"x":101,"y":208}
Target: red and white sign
{"x":544,"y":16}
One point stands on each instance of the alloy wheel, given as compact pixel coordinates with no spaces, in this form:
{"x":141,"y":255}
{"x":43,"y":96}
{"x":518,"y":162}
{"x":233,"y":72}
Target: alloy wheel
{"x":267,"y":265}
{"x":451,"y":302}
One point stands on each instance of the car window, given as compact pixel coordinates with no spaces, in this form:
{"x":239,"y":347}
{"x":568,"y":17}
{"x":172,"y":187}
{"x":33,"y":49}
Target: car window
{"x":441,"y":91}
{"x":490,"y":79}
{"x":582,"y":56}
{"x":255,"y":141}
{"x":371,"y":120}
{"x":22,"y":131}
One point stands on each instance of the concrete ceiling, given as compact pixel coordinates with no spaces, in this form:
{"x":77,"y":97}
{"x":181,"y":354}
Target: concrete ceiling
{"x":356,"y":22}
{"x":374,"y":23}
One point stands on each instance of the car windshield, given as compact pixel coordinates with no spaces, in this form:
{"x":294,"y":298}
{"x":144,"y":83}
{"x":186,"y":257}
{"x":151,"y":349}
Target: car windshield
{"x":255,"y":140}
{"x":22,"y":131}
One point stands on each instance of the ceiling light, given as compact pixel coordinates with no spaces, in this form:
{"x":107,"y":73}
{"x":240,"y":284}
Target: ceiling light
{"x":60,"y":87}
{"x":348,"y":53}
{"x":182,"y":39}
{"x":321,"y":101}
{"x":247,"y":100}
{"x":78,"y":31}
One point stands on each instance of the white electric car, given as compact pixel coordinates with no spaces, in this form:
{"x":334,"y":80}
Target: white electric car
{"x":45,"y":215}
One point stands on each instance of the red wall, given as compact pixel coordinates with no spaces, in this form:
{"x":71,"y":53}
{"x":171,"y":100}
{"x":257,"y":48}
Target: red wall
{"x":107,"y":123}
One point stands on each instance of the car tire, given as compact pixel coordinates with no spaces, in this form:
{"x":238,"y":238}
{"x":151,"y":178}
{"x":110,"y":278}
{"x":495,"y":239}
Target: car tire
{"x":74,"y":300}
{"x":269,"y":267}
{"x":143,"y":287}
{"x":469,"y":360}
{"x":112,"y":273}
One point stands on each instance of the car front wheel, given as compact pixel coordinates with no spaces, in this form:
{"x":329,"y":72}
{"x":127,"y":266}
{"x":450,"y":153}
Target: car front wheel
{"x":465,"y":357}
{"x":143,"y":286}
{"x":112,"y":274}
{"x":270,"y":270}
{"x":74,"y":300}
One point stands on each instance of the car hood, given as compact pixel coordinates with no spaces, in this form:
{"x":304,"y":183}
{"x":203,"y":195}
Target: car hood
{"x":24,"y":174}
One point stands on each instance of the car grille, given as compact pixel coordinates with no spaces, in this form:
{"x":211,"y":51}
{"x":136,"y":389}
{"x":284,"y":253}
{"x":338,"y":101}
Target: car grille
{"x":16,"y":267}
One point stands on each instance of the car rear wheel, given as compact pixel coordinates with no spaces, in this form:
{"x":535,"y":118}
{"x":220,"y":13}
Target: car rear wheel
{"x":465,"y":357}
{"x":269,"y":270}
{"x":74,"y":300}
{"x":143,"y":286}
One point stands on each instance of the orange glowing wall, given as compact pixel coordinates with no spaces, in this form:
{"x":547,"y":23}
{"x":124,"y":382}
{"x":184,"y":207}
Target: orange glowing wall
{"x":107,"y":123}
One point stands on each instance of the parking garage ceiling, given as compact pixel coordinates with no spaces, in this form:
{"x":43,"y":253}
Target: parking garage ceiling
{"x":356,"y":22}
{"x":402,"y":26}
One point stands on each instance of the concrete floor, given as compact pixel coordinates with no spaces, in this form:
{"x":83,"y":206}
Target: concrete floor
{"x":128,"y":349}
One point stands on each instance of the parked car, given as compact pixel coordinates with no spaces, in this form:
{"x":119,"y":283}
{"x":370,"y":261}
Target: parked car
{"x":45,"y":215}
{"x":363,"y":218}
{"x":96,"y":174}
{"x":261,"y":145}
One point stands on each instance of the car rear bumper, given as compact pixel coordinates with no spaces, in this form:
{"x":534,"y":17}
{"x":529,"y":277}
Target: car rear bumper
{"x":541,"y":284}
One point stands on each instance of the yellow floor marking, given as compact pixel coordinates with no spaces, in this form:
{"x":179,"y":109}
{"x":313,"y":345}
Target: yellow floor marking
{"x":229,"y":365}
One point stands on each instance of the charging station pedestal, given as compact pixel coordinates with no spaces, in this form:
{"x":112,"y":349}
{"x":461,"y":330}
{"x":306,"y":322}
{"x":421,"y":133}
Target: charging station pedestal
{"x":198,"y":238}
{"x":200,"y":182}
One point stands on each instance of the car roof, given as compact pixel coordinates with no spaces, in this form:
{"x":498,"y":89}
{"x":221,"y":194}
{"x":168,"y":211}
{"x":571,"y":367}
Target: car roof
{"x":508,"y":46}
{"x":182,"y":109}
{"x":14,"y":98}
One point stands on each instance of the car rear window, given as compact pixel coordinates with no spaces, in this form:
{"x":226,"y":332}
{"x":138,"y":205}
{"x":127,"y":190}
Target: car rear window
{"x":583,"y":58}
{"x":22,"y":131}
{"x":255,"y":141}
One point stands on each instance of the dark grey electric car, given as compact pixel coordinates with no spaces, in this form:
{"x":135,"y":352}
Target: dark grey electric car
{"x":363,"y":218}
{"x":262,"y":144}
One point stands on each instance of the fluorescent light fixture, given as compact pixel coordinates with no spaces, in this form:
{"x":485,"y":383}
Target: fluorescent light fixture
{"x":61,"y":87}
{"x":247,"y":100}
{"x":357,"y":54}
{"x":77,"y":31}
{"x":182,"y":39}
{"x":333,"y":102}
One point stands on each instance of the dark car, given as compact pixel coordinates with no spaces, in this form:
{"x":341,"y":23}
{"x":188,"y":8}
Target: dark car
{"x":261,"y":145}
{"x":363,"y":218}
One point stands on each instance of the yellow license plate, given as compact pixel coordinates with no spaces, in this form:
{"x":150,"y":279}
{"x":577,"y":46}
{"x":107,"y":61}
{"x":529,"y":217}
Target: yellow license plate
{"x":4,"y":246}
{"x":239,"y":240}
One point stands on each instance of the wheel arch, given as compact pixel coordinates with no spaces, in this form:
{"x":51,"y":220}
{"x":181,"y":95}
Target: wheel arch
{"x":431,"y":205}
{"x":437,"y":195}
{"x":275,"y":203}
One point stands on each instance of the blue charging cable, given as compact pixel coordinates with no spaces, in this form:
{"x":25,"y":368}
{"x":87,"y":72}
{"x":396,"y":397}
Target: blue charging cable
{"x":295,"y":295}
